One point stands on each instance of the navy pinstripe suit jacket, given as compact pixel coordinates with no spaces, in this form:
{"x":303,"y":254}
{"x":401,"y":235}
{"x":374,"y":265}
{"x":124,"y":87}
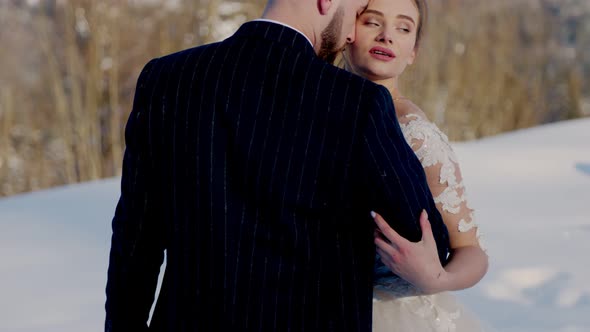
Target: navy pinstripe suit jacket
{"x":255,"y":165}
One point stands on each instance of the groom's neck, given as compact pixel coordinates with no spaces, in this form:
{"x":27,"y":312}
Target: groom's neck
{"x":293,"y":16}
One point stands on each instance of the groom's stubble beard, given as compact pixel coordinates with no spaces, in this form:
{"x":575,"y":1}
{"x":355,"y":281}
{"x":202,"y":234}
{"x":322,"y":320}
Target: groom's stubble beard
{"x":330,"y":48}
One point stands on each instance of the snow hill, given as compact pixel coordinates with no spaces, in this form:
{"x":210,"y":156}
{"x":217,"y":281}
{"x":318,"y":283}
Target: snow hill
{"x":530,"y":190}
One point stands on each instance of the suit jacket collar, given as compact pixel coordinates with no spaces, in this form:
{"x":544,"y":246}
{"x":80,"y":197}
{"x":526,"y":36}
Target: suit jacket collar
{"x":276,"y":33}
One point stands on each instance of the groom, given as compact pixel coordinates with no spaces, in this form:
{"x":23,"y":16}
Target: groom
{"x":254,"y":164}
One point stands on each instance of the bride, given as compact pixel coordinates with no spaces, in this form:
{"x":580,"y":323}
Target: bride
{"x":417,"y":298}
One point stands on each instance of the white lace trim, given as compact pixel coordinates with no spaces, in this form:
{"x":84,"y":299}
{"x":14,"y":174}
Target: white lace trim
{"x":444,"y":321}
{"x":436,"y":150}
{"x":450,"y":199}
{"x":423,"y":306}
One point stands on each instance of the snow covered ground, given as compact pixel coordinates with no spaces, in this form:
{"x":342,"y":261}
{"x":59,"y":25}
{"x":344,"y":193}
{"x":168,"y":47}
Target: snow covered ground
{"x":531,"y":190}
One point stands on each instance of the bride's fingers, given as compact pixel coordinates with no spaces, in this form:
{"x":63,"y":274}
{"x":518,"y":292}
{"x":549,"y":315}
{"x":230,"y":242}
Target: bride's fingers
{"x":386,"y":259}
{"x":378,"y":235}
{"x":385,"y":245}
{"x":427,"y":235}
{"x":393,"y":267}
{"x":382,"y":254}
{"x":387,"y":231}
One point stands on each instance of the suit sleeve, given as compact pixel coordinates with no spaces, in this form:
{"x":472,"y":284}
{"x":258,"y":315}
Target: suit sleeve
{"x":137,"y":243}
{"x":396,"y":181}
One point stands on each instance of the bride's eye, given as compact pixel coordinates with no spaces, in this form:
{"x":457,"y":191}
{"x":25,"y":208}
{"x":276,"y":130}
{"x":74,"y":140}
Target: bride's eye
{"x":404,"y":28}
{"x":372,"y":23}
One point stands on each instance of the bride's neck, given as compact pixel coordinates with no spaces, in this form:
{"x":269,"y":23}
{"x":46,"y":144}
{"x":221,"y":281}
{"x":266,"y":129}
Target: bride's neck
{"x":392,"y":85}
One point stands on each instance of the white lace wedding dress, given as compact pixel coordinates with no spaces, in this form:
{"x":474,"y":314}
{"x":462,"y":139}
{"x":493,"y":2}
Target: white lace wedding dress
{"x":397,"y":305}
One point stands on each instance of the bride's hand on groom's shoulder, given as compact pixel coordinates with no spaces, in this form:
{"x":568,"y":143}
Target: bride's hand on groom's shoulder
{"x":416,"y":262}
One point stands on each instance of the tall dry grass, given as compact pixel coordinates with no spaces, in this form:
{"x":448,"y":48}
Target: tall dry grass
{"x":68,"y":77}
{"x":488,"y":67}
{"x":68,"y":71}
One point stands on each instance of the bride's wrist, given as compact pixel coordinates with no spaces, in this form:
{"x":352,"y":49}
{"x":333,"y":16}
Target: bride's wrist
{"x":438,"y":283}
{"x":443,"y":281}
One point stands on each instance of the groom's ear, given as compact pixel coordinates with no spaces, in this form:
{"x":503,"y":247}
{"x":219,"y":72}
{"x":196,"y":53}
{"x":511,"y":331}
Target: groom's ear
{"x":324,"y":6}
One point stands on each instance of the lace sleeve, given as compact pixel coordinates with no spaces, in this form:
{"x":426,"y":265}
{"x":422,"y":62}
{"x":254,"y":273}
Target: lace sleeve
{"x":444,"y":178}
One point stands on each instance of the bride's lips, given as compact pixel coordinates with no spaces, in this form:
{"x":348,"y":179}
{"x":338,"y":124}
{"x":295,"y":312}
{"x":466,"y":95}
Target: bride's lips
{"x":382,"y":53}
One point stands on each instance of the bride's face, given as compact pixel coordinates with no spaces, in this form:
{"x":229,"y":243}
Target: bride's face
{"x":385,"y":39}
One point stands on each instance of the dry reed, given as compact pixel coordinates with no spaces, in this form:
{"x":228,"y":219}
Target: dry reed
{"x":69,"y":70}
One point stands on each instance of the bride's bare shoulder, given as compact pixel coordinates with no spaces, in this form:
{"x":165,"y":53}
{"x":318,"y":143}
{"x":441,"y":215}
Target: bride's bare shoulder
{"x":406,"y":110}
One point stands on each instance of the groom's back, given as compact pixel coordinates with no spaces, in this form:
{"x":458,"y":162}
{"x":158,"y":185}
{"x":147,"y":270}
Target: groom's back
{"x":256,"y":189}
{"x":257,"y":138}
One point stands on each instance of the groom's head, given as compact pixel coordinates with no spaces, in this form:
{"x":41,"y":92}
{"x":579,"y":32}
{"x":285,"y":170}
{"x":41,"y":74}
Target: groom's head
{"x":329,"y":24}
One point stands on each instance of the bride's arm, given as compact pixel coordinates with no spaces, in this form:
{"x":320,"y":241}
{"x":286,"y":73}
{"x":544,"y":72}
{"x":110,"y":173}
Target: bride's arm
{"x":417,"y":262}
{"x":466,"y":267}
{"x":468,"y":262}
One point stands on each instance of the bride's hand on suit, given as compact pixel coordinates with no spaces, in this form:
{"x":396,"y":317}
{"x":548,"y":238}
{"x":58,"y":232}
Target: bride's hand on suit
{"x":416,"y":262}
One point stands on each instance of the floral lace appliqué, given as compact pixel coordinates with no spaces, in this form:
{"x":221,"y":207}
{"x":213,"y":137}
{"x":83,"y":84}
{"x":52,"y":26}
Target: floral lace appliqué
{"x":444,"y":321}
{"x":432,"y":148}
{"x":423,"y":306}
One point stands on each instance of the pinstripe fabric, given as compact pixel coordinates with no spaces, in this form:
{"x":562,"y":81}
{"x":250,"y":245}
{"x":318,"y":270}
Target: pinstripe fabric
{"x":254,"y":165}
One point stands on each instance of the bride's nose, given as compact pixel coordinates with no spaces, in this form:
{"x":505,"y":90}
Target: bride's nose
{"x":385,"y":37}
